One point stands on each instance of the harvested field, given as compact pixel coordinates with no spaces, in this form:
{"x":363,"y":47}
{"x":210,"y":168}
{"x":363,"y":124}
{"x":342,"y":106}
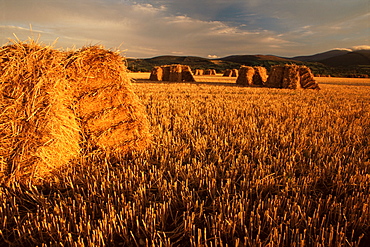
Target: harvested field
{"x":230,"y":165}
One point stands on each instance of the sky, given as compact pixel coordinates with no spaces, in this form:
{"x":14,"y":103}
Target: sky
{"x":205,"y":28}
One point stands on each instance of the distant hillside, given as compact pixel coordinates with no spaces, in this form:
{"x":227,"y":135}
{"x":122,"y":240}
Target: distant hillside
{"x":335,"y":63}
{"x":321,"y":56}
{"x":355,"y":58}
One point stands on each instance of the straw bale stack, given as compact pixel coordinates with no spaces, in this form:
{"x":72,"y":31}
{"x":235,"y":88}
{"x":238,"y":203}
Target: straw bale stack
{"x":199,"y":72}
{"x":210,"y":72}
{"x":228,"y":73}
{"x":291,"y":78}
{"x":275,"y":78}
{"x":245,"y":76}
{"x":111,"y":116}
{"x":234,"y":73}
{"x":187,"y":74}
{"x":307,"y":79}
{"x":156,"y":74}
{"x":175,"y":73}
{"x":166,"y":72}
{"x":39,"y":133}
{"x":260,"y":76}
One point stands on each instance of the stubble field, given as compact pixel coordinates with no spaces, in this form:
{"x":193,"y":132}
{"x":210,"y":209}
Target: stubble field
{"x":228,"y":166}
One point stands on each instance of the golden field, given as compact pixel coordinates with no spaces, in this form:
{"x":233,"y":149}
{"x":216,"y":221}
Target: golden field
{"x":228,"y":166}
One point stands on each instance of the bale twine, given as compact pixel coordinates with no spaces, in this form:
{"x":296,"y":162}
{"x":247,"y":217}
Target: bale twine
{"x":175,"y":73}
{"x":111,"y":116}
{"x":275,"y":78}
{"x":156,"y":74}
{"x":187,"y":74}
{"x":245,"y":76}
{"x":199,"y":72}
{"x":39,"y":133}
{"x":307,"y":79}
{"x":234,"y":73}
{"x":260,"y":76}
{"x":227,"y":73}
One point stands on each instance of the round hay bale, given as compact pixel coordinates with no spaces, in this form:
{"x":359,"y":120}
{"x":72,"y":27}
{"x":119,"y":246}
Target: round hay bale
{"x":245,"y":76}
{"x":260,"y":76}
{"x":39,"y":133}
{"x":111,"y":115}
{"x":227,"y":73}
{"x":275,"y":78}
{"x":307,"y":79}
{"x":156,"y":74}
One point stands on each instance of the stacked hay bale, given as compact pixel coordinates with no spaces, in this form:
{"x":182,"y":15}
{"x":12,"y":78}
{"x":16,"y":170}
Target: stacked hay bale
{"x":307,"y":79}
{"x":187,"y":74}
{"x":156,"y":74}
{"x":275,"y":78}
{"x":291,"y":77}
{"x":174,"y":73}
{"x":210,"y":72}
{"x":245,"y":76}
{"x":112,"y":118}
{"x":228,"y":73}
{"x":39,"y":133}
{"x":199,"y":72}
{"x":234,"y":73}
{"x":260,"y":76}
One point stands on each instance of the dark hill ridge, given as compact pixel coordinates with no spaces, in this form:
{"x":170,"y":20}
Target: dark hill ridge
{"x":335,"y":62}
{"x":321,"y":56}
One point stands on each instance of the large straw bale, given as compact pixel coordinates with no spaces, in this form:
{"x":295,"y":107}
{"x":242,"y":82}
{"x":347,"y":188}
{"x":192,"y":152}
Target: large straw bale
{"x":112,"y":118}
{"x":175,"y":73}
{"x":307,"y":79}
{"x":275,"y":78}
{"x":39,"y":133}
{"x":156,"y":74}
{"x":245,"y":76}
{"x":291,"y":79}
{"x":227,"y":73}
{"x":234,"y":73}
{"x":166,"y":72}
{"x":187,"y":74}
{"x":210,"y":72}
{"x":199,"y":72}
{"x":260,"y":76}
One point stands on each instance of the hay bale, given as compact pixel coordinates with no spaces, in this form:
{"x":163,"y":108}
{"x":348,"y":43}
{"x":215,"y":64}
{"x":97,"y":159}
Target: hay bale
{"x":291,"y":78}
{"x":307,"y":79}
{"x":187,"y":74}
{"x":227,"y":73}
{"x":111,"y":115}
{"x":245,"y":76}
{"x":166,"y":72}
{"x":275,"y":78}
{"x":234,"y":73}
{"x":210,"y":72}
{"x":156,"y":74}
{"x":199,"y":72}
{"x":260,"y":76}
{"x":175,"y":73}
{"x":39,"y":133}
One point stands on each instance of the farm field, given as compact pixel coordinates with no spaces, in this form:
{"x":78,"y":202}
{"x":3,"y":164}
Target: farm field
{"x":228,"y":166}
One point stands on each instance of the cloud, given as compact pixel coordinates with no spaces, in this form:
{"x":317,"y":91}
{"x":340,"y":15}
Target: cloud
{"x":361,"y":47}
{"x":212,"y":56}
